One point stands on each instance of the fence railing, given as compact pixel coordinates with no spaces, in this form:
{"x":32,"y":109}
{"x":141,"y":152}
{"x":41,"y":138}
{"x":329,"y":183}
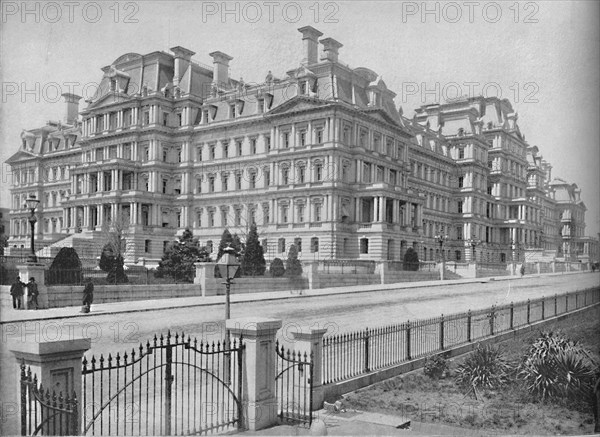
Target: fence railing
{"x":334,"y":266}
{"x":356,"y":353}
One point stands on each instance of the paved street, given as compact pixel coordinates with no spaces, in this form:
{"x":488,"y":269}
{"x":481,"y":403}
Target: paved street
{"x":337,"y":313}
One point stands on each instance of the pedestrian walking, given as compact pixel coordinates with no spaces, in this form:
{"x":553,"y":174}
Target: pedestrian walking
{"x":32,"y":291}
{"x":88,"y":296}
{"x":522,"y":270}
{"x":16,"y":291}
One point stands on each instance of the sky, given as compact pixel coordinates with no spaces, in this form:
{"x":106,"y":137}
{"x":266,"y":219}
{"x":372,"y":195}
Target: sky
{"x":541,"y":55}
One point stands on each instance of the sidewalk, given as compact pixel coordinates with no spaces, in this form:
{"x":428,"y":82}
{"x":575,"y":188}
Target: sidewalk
{"x":8,"y":314}
{"x":361,"y":423}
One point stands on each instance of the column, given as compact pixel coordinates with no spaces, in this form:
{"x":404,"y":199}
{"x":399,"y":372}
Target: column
{"x":375,"y":209}
{"x":357,"y":209}
{"x":259,"y":361}
{"x":382,"y":209}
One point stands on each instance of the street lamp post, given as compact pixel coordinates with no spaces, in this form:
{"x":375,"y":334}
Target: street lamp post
{"x":31,"y":203}
{"x":228,"y":267}
{"x":474,"y":243}
{"x":441,"y":239}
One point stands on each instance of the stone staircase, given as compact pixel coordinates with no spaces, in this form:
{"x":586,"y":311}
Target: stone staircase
{"x":87,"y":245}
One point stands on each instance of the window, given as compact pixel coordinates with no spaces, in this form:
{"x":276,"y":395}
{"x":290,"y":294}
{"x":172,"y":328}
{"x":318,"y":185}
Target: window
{"x":232,"y":112}
{"x":211,"y":218}
{"x":459,"y":233}
{"x":392,"y":177}
{"x":267,"y":173}
{"x":212,"y":151}
{"x":99,"y":154}
{"x":460,"y":206}
{"x":300,"y":211}
{"x":179,"y":119}
{"x":238,"y":148}
{"x":461,"y":153}
{"x":165,"y":154}
{"x":238,"y":217}
{"x":461,"y":181}
{"x":238,"y":181}
{"x":165,"y":118}
{"x":318,"y":172}
{"x":489,"y":189}
{"x":252,"y":217}
{"x":179,"y":155}
{"x":302,"y":138}
{"x":253,"y":179}
{"x":211,"y":184}
{"x":284,"y":214}
{"x":209,"y":246}
{"x":198,"y":185}
{"x":367,"y":173}
{"x":199,"y":154}
{"x":146,"y":117}
{"x":319,"y":136}
{"x":253,"y":146}
{"x":458,"y":255}
{"x":224,"y":218}
{"x":164,"y":186}
{"x":146,"y":154}
{"x":281,"y":245}
{"x":314,"y":244}
{"x":225,"y":150}
{"x":298,"y":244}
{"x":364,"y":245}
{"x":225,"y":181}
{"x":301,"y":174}
{"x":317,"y":213}
{"x":147,"y":246}
{"x":286,"y":140}
{"x":285,"y":172}
{"x":267,"y":143}
{"x":379,"y":174}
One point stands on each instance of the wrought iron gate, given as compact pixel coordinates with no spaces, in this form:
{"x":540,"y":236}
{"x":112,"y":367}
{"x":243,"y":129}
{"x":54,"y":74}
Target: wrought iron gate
{"x":293,"y":385}
{"x":172,"y":385}
{"x":43,"y":412}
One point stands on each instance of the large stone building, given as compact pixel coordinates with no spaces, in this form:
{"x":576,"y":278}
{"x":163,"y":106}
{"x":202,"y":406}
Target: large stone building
{"x":321,"y":158}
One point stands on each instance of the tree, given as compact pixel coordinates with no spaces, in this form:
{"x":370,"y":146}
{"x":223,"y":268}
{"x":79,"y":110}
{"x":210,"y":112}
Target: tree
{"x":65,"y":268}
{"x":411,"y":260}
{"x":112,"y":259}
{"x":293,"y":266}
{"x":3,"y":243}
{"x":253,"y":260}
{"x":277,"y":269}
{"x":179,"y":258}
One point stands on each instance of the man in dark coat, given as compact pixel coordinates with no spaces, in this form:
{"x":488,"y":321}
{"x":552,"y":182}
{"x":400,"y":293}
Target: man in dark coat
{"x":16,"y":291}
{"x":88,"y":296}
{"x":32,"y":290}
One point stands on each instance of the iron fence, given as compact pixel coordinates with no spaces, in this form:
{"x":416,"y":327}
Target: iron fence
{"x":172,"y":385}
{"x":293,"y":385}
{"x":335,"y":266}
{"x":351,"y":354}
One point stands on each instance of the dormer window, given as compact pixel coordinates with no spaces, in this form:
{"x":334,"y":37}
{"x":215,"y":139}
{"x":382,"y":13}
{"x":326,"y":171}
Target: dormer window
{"x":232,"y":111}
{"x":260,"y":106}
{"x":304,"y":88}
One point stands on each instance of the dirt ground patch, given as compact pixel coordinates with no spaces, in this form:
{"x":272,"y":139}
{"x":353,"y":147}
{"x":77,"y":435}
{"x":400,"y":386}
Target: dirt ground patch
{"x":510,"y":410}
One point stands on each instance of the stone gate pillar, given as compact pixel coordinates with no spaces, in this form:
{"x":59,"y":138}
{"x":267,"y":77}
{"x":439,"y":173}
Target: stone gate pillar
{"x":310,"y":341}
{"x":259,"y":367}
{"x":57,"y":364}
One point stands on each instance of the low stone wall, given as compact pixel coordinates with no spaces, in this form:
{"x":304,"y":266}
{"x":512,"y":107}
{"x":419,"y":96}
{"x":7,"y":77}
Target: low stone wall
{"x":407,"y":276}
{"x":347,"y":279}
{"x":67,"y":295}
{"x":487,"y":273}
{"x":71,"y":295}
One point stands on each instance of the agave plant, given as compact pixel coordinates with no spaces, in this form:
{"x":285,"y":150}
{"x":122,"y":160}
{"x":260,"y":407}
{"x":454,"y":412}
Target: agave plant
{"x":557,"y":367}
{"x":485,"y":367}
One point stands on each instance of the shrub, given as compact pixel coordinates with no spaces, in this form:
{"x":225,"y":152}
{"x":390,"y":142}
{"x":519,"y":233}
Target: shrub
{"x":179,"y":258}
{"x":253,"y":261}
{"x":293,"y":266}
{"x":556,"y":367}
{"x":485,"y":367}
{"x":277,"y":269}
{"x":411,"y":260}
{"x":65,"y":268}
{"x":435,"y":367}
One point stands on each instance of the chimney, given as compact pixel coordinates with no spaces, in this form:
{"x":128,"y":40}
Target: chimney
{"x":310,"y":37}
{"x":221,"y":68}
{"x":330,"y":49}
{"x":72,"y":107}
{"x":183,"y":57}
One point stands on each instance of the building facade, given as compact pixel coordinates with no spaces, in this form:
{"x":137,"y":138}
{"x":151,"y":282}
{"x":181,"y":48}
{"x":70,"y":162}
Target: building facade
{"x":321,"y":158}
